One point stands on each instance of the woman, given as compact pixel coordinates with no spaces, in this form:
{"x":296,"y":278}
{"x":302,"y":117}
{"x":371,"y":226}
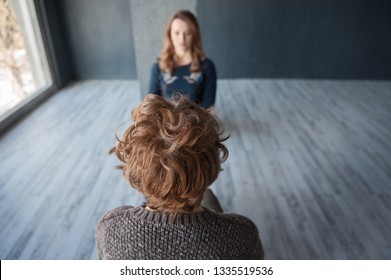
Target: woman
{"x":183,"y":66}
{"x":171,"y":154}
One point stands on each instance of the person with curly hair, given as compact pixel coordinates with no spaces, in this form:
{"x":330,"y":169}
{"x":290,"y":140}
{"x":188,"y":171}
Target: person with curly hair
{"x":183,"y":66}
{"x":171,"y":154}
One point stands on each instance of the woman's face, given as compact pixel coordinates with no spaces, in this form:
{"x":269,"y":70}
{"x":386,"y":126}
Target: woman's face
{"x":181,"y":36}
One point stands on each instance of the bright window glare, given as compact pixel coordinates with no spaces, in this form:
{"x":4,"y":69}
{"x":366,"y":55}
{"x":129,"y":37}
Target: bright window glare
{"x":24,"y":70}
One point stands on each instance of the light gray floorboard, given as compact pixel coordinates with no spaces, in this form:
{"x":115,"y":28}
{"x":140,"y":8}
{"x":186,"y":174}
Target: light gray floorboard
{"x":56,"y":176}
{"x":310,"y":164}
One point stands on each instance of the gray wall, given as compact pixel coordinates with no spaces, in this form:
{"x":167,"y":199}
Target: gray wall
{"x":59,"y":52}
{"x":99,"y":37}
{"x":333,"y":39}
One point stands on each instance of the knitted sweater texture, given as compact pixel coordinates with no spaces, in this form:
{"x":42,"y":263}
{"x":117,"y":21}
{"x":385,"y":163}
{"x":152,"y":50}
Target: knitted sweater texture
{"x":138,"y":233}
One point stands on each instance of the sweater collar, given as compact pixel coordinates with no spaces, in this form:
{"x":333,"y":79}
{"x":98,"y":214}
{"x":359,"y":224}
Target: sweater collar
{"x":164,"y":218}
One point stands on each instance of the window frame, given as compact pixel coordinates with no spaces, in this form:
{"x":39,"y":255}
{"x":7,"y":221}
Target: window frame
{"x":34,"y":100}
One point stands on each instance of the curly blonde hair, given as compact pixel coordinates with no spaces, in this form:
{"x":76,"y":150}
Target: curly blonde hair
{"x":172,"y":152}
{"x":166,"y":61}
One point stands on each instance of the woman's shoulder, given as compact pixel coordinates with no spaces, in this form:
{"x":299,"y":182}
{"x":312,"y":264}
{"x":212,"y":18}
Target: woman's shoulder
{"x":155,"y":64}
{"x":208,"y":65}
{"x":207,"y":62}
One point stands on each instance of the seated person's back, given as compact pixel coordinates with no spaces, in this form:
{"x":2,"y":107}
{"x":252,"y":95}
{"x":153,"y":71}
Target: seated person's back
{"x":172,"y":154}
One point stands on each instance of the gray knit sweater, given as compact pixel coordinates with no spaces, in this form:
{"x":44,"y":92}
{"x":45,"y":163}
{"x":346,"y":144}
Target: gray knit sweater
{"x":138,"y":233}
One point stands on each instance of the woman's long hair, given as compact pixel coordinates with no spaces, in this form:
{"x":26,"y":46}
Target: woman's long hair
{"x":167,"y":62}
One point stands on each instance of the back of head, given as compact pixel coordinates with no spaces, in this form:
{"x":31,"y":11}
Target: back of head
{"x":172,"y":152}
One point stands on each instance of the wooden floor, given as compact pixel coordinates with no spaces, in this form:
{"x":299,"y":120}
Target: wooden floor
{"x":310,"y":164}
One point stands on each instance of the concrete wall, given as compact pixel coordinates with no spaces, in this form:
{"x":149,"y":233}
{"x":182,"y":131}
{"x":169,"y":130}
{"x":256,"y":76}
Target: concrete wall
{"x":59,"y":51}
{"x":333,"y":39}
{"x":100,"y":39}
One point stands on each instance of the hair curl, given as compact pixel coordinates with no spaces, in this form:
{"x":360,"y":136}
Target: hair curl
{"x":166,"y":61}
{"x":172,"y":152}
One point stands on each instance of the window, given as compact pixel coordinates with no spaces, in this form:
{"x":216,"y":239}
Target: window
{"x":24,"y":70}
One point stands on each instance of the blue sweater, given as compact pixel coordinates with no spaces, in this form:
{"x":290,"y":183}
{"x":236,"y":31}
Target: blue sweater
{"x":198,"y":86}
